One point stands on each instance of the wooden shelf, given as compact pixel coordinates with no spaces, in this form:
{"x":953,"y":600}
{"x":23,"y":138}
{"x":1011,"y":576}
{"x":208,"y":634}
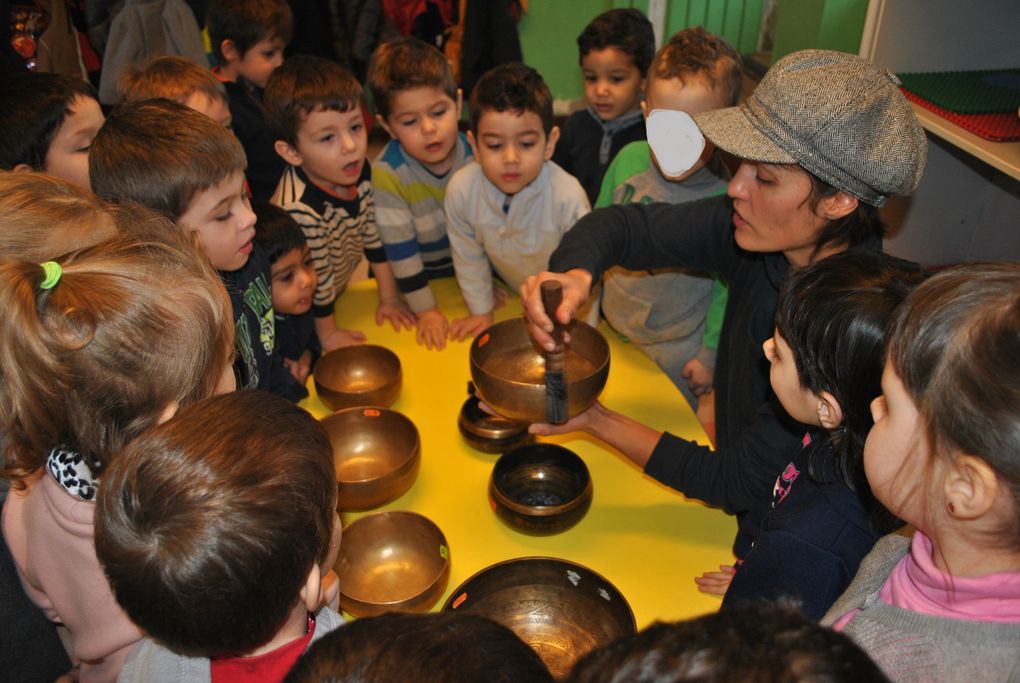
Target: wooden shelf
{"x":1004,"y":156}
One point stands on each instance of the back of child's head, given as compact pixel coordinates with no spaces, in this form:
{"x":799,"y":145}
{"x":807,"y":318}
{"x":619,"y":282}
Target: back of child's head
{"x":246,"y":22}
{"x":161,"y":154}
{"x":208,"y":525}
{"x":305,"y":84}
{"x":627,"y":30}
{"x":955,"y":344}
{"x":34,"y":107}
{"x":42,"y":217}
{"x":405,"y":63}
{"x":276,"y":231}
{"x":171,"y":77}
{"x":93,"y":352}
{"x":445,"y":647}
{"x":835,"y":316}
{"x":696,"y":52}
{"x":755,"y":642}
{"x":512,"y":87}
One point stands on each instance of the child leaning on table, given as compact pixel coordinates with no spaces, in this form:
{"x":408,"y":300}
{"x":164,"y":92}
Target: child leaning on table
{"x":217,"y":530}
{"x":616,"y":49}
{"x":416,"y":95}
{"x":313,"y":107}
{"x":293,"y":284}
{"x":93,"y":350}
{"x":826,"y":359}
{"x":47,"y":124}
{"x":674,"y":315}
{"x":944,"y":456}
{"x":185,"y":166}
{"x":179,"y":79}
{"x":507,"y":212}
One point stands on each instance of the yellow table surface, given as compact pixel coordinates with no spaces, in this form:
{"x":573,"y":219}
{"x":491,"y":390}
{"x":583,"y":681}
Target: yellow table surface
{"x":646,"y":539}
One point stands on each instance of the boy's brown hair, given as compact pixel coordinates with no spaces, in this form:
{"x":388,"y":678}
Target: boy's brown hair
{"x":161,"y":154}
{"x":302,"y":85}
{"x":169,"y":76}
{"x":131,"y":327}
{"x":209,"y":524}
{"x":695,"y":51}
{"x":246,"y":22}
{"x":512,"y":87}
{"x":405,"y":63}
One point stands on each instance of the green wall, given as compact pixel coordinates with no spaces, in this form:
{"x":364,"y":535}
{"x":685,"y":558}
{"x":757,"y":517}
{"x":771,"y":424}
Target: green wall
{"x":550,"y":28}
{"x":829,"y":24}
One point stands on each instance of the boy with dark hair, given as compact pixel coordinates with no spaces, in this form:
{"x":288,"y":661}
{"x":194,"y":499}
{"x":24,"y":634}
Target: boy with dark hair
{"x":508,"y":211}
{"x":47,"y":123}
{"x":184,"y":165}
{"x":248,"y":37}
{"x":216,"y":530}
{"x":179,"y":79}
{"x":616,"y":49}
{"x":674,"y":315}
{"x":293,"y":284}
{"x":416,"y":95}
{"x":313,"y":107}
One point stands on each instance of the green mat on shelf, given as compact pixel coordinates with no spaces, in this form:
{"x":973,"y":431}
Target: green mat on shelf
{"x":968,"y":92}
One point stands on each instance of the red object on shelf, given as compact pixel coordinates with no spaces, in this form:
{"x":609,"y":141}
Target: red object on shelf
{"x":1003,"y":127}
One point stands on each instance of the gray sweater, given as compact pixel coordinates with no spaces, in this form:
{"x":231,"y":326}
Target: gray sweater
{"x":909,"y":646}
{"x":152,"y":663}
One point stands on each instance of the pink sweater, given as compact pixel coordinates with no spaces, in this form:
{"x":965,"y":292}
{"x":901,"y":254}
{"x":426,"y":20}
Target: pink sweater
{"x":51,"y":538}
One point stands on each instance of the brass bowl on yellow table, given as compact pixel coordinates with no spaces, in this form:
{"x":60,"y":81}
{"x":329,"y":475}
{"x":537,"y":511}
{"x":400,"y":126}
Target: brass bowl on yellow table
{"x":358,"y":375}
{"x":508,"y":369}
{"x":392,"y":561}
{"x":540,"y":489}
{"x":560,"y":608}
{"x":377,"y":453}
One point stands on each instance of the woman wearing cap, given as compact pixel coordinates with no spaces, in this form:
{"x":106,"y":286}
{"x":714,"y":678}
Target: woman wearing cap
{"x":823,"y":140}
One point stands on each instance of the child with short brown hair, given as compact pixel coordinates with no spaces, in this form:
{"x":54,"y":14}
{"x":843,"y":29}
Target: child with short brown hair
{"x":216,"y":530}
{"x":179,"y":79}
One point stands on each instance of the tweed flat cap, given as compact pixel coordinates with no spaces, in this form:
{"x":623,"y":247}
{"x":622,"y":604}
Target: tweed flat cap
{"x":839,"y":116}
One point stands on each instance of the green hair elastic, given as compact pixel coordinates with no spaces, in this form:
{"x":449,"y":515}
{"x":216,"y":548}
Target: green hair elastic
{"x":53,"y":271}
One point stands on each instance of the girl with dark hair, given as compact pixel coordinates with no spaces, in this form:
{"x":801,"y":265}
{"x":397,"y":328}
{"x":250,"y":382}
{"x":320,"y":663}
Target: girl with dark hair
{"x":826,"y":359}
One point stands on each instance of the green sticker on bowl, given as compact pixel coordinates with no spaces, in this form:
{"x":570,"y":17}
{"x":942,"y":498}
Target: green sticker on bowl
{"x":444,"y":553}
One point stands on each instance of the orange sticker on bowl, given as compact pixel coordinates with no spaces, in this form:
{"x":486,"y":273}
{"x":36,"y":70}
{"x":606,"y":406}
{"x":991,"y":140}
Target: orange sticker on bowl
{"x":460,"y":599}
{"x":492,"y":503}
{"x":483,"y":340}
{"x":371,"y":412}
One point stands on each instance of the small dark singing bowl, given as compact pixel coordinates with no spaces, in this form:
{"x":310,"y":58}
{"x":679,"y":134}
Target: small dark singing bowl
{"x":377,"y":454}
{"x":359,"y":375}
{"x":540,"y":489}
{"x":508,"y":369}
{"x":560,"y":608}
{"x":490,"y":433}
{"x":392,"y":561}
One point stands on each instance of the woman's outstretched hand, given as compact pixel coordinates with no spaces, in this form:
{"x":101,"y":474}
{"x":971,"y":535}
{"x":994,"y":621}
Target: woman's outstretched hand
{"x":576,"y":286}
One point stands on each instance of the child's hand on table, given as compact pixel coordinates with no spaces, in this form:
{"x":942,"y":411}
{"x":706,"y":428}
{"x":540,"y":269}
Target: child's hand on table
{"x":467,"y":328}
{"x":397,"y":312}
{"x":300,"y":367}
{"x":338,"y":338}
{"x":699,"y":377}
{"x":716,"y":583}
{"x":432,"y":329}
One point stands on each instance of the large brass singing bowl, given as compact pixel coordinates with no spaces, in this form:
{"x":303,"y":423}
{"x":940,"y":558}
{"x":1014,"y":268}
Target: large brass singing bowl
{"x":359,"y":375}
{"x":560,"y":608}
{"x":392,"y":561}
{"x":508,"y":369}
{"x":377,"y":454}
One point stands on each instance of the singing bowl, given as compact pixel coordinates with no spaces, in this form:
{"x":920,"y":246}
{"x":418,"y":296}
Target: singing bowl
{"x":377,"y":454}
{"x":508,"y":369}
{"x":392,"y":561}
{"x":490,"y":433}
{"x":359,"y":375}
{"x":540,"y":489}
{"x":560,"y":608}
